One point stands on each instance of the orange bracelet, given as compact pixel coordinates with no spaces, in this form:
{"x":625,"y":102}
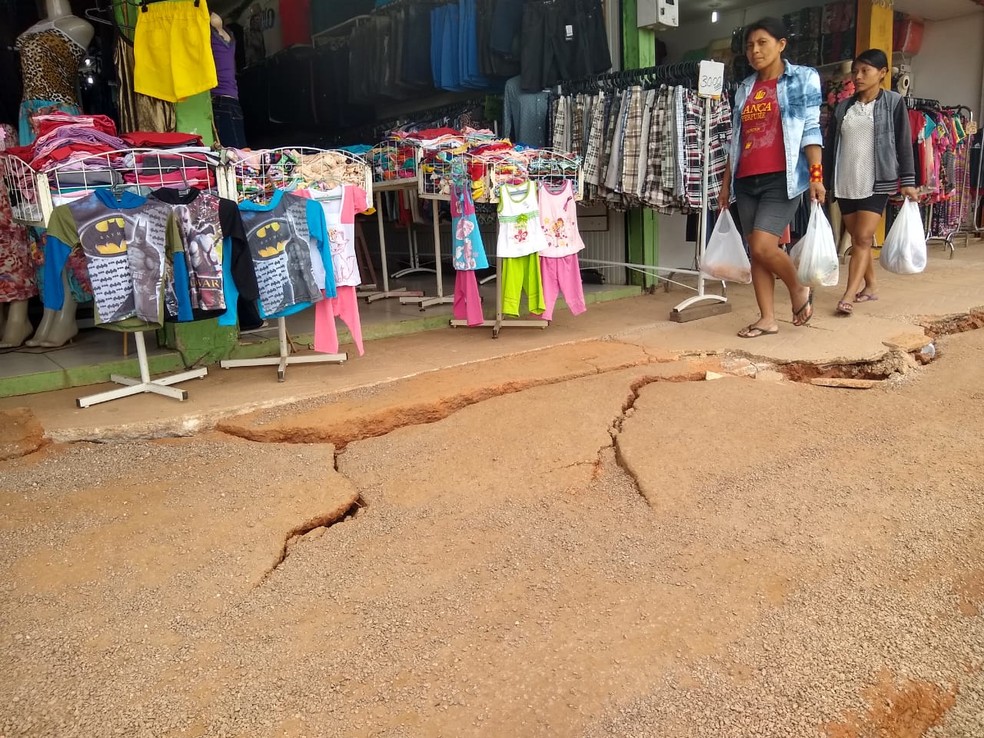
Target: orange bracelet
{"x":816,"y":172}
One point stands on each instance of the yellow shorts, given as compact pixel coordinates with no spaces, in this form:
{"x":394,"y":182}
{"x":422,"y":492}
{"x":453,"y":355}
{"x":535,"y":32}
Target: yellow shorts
{"x":172,"y":50}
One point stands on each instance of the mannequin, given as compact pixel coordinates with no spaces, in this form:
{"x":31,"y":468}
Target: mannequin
{"x":17,"y":273}
{"x":226,"y":109}
{"x":57,"y":327}
{"x":51,"y":51}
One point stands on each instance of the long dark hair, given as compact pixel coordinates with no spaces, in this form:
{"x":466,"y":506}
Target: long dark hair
{"x":772,"y":26}
{"x":874,"y":58}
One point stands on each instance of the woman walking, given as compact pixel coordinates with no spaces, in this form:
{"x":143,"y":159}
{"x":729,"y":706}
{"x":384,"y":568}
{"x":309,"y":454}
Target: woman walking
{"x":868,"y":157}
{"x":776,"y":153}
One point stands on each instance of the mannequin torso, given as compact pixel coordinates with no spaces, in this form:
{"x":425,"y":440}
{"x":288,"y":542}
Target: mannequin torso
{"x":51,"y":51}
{"x":59,"y":17}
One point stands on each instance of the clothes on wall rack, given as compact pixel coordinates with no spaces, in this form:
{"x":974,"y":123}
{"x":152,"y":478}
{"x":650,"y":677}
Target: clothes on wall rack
{"x":642,"y":142}
{"x":562,"y":39}
{"x":942,"y":151}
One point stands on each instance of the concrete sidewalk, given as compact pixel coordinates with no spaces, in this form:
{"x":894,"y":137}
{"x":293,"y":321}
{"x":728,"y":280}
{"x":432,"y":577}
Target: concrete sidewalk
{"x":948,"y":288}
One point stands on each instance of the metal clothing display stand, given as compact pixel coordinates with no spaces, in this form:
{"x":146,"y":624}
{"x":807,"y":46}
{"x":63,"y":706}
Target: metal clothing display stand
{"x":234,"y":184}
{"x":144,"y":385}
{"x":387,"y":292}
{"x":33,"y":195}
{"x":439,"y":298}
{"x":717,"y":303}
{"x":549,"y":165}
{"x":285,"y":358}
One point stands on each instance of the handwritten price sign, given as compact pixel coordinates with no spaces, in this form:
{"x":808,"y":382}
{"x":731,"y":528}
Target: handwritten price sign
{"x":710,"y":79}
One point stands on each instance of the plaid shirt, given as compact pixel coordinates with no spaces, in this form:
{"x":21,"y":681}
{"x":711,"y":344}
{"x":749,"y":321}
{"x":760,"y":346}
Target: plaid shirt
{"x":693,"y":148}
{"x":645,"y":160}
{"x":595,"y":142}
{"x":632,"y":143}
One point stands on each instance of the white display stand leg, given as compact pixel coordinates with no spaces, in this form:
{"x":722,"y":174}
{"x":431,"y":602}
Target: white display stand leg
{"x":414,"y":267}
{"x":702,"y":297}
{"x":386,"y":292}
{"x":145,"y":384}
{"x":439,"y":299}
{"x":501,"y":321}
{"x":285,"y":358}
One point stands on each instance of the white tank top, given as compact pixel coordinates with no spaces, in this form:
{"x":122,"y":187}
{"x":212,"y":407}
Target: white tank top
{"x":520,"y":233}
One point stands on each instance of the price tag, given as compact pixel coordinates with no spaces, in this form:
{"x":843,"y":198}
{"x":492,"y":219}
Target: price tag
{"x":710,"y":81}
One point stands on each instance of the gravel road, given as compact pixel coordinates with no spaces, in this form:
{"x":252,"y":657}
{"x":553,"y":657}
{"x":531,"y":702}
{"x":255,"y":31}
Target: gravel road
{"x":728,"y":558}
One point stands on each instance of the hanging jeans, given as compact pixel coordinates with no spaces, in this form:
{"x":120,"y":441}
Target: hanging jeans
{"x":228,"y":116}
{"x":562,"y":275}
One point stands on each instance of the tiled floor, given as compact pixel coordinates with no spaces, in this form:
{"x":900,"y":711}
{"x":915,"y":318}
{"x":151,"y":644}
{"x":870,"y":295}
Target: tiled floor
{"x":91,"y":346}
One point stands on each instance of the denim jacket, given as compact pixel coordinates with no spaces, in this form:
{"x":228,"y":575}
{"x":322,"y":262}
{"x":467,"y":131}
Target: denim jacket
{"x":800,"y":97}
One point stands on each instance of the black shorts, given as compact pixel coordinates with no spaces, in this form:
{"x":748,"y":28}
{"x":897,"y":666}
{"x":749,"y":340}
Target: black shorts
{"x":873,"y":204}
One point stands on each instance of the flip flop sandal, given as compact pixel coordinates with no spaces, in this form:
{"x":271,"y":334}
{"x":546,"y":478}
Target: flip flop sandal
{"x":845,"y":308}
{"x":797,"y":313}
{"x":753,"y":331}
{"x":864,"y":297}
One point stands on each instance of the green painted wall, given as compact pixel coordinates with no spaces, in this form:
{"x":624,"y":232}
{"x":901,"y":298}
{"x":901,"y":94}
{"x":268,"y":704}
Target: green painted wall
{"x":639,"y":50}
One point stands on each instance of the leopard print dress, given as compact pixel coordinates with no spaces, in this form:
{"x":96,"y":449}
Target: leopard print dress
{"x":50,"y":62}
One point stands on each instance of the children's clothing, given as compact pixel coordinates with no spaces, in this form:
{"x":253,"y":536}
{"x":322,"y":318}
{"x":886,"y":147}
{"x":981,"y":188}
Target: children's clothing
{"x":344,"y":306}
{"x":519,"y":216}
{"x":172,"y":51}
{"x":467,"y":300}
{"x":468,"y":251}
{"x":562,"y":275}
{"x":558,"y":216}
{"x":124,"y":245}
{"x":521,"y":274}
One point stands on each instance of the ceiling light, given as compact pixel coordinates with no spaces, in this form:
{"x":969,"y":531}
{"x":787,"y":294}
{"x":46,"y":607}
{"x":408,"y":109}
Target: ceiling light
{"x":714,"y":16}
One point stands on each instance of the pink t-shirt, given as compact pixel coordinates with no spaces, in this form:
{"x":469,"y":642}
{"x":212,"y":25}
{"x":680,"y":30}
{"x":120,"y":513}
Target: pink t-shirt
{"x":340,"y":206}
{"x":558,"y":217}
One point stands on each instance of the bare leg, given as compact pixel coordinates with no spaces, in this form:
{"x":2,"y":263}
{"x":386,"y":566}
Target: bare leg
{"x":861,"y":226}
{"x":17,"y":327}
{"x":768,"y":260}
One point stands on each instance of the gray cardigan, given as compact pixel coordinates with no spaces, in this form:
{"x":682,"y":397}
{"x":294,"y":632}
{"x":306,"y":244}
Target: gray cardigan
{"x":894,"y":160}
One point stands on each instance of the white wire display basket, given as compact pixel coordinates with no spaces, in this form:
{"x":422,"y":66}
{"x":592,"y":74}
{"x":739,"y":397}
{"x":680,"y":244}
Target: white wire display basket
{"x":34,"y":194}
{"x":255,"y":175}
{"x":539,"y":165}
{"x":395,"y":164}
{"x":20,"y":183}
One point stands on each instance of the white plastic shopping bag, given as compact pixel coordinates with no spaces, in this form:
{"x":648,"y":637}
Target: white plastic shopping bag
{"x":725,"y":257}
{"x":904,"y":251}
{"x":815,"y":255}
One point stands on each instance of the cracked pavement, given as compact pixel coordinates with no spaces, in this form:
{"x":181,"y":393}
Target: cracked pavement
{"x":578,"y":542}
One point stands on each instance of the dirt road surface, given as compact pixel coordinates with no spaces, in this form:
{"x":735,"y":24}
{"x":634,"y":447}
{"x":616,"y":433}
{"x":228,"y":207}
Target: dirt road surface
{"x":585,"y":541}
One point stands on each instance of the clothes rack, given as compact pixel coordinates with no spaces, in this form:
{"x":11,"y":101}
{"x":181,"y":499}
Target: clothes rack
{"x":255,"y":170}
{"x":37,"y":193}
{"x":545,"y":166}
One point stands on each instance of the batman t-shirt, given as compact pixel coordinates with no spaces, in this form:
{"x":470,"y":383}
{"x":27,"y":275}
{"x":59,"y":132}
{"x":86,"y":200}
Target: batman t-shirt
{"x":283,"y":258}
{"x":124,"y":242}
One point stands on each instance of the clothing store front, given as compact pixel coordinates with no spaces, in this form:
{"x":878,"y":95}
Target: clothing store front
{"x":267,"y":91}
{"x":938,"y":61}
{"x":425,"y":137}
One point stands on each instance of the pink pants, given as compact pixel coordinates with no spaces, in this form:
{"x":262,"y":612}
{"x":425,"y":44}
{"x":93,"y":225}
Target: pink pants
{"x":467,"y":302}
{"x":346,"y":307}
{"x":562,"y":275}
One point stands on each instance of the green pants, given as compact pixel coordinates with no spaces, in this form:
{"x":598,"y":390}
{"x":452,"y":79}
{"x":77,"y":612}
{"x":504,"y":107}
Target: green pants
{"x":519,"y":274}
